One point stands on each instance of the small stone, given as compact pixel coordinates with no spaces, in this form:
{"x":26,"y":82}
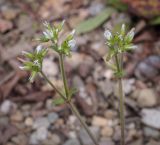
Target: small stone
{"x":17,"y":117}
{"x":153,"y":142}
{"x":50,"y":68}
{"x":106,"y":142}
{"x":110,"y":114}
{"x":151,"y":117}
{"x":4,"y":121}
{"x":107,"y":131}
{"x":78,"y":82}
{"x":41,"y":133}
{"x":72,"y":142}
{"x":52,"y":117}
{"x":150,"y":132}
{"x":6,"y":106}
{"x":106,"y":87}
{"x":84,"y":137}
{"x":147,"y":98}
{"x":29,"y":121}
{"x":99,"y":121}
{"x":5,"y":25}
{"x":41,"y":122}
{"x":9,"y":13}
{"x":49,"y":104}
{"x":20,"y":139}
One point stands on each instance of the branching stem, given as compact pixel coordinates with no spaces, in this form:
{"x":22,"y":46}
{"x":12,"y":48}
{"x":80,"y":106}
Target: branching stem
{"x":69,"y":103}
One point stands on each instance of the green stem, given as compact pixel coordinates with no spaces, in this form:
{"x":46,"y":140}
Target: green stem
{"x":76,"y":112}
{"x":72,"y":106}
{"x":63,"y":75}
{"x":121,"y":107}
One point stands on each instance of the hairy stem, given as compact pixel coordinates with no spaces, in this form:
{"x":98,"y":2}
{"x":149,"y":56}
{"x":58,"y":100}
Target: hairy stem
{"x":121,"y":102}
{"x":63,"y":75}
{"x":71,"y":105}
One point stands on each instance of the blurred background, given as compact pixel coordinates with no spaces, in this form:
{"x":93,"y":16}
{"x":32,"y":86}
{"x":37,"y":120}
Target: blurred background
{"x":27,"y":114}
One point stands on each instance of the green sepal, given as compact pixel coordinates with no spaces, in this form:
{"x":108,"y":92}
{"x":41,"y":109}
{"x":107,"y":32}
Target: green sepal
{"x":58,"y":101}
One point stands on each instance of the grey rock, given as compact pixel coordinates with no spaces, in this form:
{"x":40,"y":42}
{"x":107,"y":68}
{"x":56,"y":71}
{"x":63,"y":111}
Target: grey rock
{"x":151,"y":132}
{"x":6,"y":106}
{"x":41,"y":122}
{"x":151,"y":117}
{"x":106,"y":87}
{"x":52,"y":117}
{"x":147,"y":98}
{"x":72,"y":142}
{"x":85,"y":138}
{"x":4,"y":121}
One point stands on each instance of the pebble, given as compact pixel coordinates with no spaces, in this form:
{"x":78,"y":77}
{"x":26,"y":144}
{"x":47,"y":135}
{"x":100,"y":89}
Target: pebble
{"x":5,"y":25}
{"x":151,"y":132}
{"x":39,"y":135}
{"x":4,"y":121}
{"x":145,"y":70}
{"x":72,"y":142}
{"x":99,"y":121}
{"x":9,"y":13}
{"x":20,"y":139}
{"x":106,"y":87}
{"x":107,"y":131}
{"x":50,"y":68}
{"x":52,"y":117}
{"x":151,"y":117}
{"x":41,"y":122}
{"x":28,"y":121}
{"x":110,"y":114}
{"x":147,"y":98}
{"x":6,"y":106}
{"x":106,"y":142}
{"x":17,"y":116}
{"x":85,"y":138}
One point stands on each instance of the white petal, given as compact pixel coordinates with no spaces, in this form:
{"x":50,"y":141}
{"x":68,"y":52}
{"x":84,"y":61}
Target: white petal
{"x":107,"y":34}
{"x":45,"y":23}
{"x":24,"y":52}
{"x":123,"y":28}
{"x":22,"y":67}
{"x":72,"y":43}
{"x":38,"y":48}
{"x":73,"y":32}
{"x":131,"y":33}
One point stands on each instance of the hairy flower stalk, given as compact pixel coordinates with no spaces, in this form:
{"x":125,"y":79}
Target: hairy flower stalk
{"x":34,"y":65}
{"x":118,"y":44}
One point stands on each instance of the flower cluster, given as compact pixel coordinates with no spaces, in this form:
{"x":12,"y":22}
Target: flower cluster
{"x":119,"y":42}
{"x":33,"y":61}
{"x":52,"y":33}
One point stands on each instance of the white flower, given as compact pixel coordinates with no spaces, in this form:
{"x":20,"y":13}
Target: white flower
{"x":72,"y":43}
{"x":130,"y":34}
{"x":48,"y":34}
{"x":38,"y":48}
{"x":123,"y":29}
{"x":36,"y":62}
{"x":132,"y":47}
{"x":45,"y":23}
{"x":107,"y":34}
{"x":24,"y":52}
{"x":73,"y":32}
{"x":22,"y":67}
{"x":63,"y":22}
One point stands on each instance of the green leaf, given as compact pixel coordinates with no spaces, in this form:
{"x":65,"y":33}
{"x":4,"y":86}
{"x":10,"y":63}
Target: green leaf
{"x":118,"y":4}
{"x":72,"y":91}
{"x":155,"y":21}
{"x":92,"y":23}
{"x":58,"y":101}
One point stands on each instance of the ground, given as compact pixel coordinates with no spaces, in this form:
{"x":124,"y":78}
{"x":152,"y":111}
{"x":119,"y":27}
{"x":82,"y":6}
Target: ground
{"x":27,"y":114}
